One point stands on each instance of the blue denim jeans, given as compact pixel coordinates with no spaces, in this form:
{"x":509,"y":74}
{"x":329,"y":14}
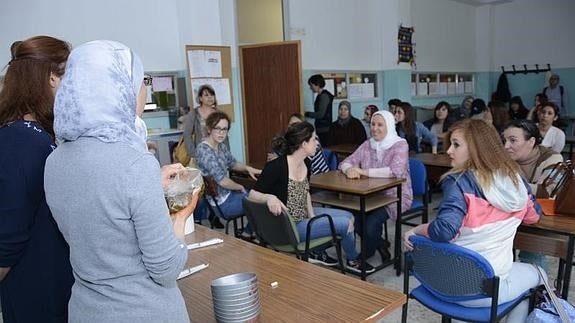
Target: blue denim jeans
{"x":342,"y":223}
{"x":374,"y":229}
{"x":233,"y":206}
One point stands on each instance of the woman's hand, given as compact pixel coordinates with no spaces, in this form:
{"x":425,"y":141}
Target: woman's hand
{"x":354,"y":172}
{"x":275,"y":205}
{"x":253,"y":172}
{"x":407,"y":245}
{"x":169,"y":171}
{"x":184,"y":214}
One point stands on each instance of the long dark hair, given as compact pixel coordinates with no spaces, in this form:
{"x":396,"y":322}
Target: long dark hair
{"x":26,"y":85}
{"x":294,"y":136}
{"x":408,"y":125}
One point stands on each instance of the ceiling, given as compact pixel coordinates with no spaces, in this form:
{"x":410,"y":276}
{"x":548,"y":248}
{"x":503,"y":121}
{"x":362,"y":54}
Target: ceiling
{"x":479,"y":3}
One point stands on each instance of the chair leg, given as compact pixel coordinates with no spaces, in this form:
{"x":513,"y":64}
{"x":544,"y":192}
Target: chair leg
{"x":404,"y":312}
{"x":339,"y":256}
{"x":385,"y":230}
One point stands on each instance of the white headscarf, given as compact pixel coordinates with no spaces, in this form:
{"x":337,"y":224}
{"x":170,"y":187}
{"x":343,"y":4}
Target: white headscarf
{"x":390,"y":138}
{"x":97,"y":95}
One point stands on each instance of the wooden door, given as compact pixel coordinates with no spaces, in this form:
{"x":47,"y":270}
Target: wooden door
{"x":271,"y":92}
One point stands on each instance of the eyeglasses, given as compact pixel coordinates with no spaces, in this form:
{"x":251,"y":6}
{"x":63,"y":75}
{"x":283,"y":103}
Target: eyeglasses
{"x":224,"y":130}
{"x":147,"y":80}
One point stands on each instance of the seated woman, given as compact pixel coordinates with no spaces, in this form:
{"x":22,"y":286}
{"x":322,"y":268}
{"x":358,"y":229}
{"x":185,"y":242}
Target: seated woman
{"x":517,"y":110}
{"x":540,"y":98}
{"x":284,"y":184}
{"x":522,"y":142}
{"x":499,"y":115}
{"x":484,"y":201}
{"x":318,"y":162}
{"x":553,"y":137}
{"x":215,"y":160}
{"x":441,"y":121}
{"x":464,"y":109}
{"x":366,"y":120}
{"x":413,"y":131}
{"x":346,"y":129}
{"x":385,"y":154}
{"x":103,"y":187}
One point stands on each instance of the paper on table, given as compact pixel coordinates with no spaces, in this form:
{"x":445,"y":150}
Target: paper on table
{"x":204,"y":243}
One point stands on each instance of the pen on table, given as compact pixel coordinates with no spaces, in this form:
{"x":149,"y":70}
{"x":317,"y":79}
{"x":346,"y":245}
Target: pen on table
{"x":192,"y":270}
{"x":204,"y":243}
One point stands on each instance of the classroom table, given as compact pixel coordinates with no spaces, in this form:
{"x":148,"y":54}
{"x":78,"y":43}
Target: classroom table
{"x":360,"y":195}
{"x":436,"y":165}
{"x":562,"y":225}
{"x":305,"y":292}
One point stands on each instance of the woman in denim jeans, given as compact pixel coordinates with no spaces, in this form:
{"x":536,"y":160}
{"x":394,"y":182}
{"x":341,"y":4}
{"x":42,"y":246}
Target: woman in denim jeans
{"x":215,"y":159}
{"x":284,"y":184}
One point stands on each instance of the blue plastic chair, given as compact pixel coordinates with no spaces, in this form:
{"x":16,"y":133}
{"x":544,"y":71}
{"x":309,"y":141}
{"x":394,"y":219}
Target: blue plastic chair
{"x":450,"y":273}
{"x":421,"y":195}
{"x":330,"y":158}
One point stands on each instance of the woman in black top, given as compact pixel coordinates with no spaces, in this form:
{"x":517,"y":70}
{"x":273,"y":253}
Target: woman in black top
{"x":321,"y":107}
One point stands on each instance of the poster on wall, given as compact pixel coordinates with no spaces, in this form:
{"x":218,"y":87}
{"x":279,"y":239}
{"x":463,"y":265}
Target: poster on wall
{"x":405,"y":45}
{"x":339,"y":84}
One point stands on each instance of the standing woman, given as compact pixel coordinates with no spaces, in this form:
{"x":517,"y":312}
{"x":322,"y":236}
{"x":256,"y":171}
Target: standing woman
{"x":103,"y":187}
{"x":385,"y":154}
{"x":35,"y":273}
{"x":284,"y":184}
{"x":321,"y":107}
{"x":553,"y":137}
{"x":413,"y":131}
{"x":484,"y":201}
{"x":215,"y":159}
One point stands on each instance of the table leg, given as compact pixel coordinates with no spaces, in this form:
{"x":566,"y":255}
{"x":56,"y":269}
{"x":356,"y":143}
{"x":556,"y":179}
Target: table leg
{"x":397,"y":247}
{"x":363,"y":235}
{"x":568,"y":266}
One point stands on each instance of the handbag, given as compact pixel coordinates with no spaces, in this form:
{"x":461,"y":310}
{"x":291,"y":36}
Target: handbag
{"x":553,"y":308}
{"x":181,"y":155}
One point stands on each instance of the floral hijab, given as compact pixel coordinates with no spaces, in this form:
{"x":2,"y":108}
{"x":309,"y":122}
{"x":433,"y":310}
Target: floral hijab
{"x":97,"y":95}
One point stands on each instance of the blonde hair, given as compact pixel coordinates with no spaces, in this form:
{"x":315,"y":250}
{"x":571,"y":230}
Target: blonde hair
{"x":487,"y":157}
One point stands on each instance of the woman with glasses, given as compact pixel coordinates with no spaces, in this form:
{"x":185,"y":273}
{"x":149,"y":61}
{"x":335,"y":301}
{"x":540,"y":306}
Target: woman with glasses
{"x":35,"y":273}
{"x":215,"y":159}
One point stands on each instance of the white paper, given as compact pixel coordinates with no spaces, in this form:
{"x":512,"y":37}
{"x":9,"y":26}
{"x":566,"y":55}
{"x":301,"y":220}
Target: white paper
{"x":162,"y":83}
{"x":468,"y":87}
{"x":422,"y":88}
{"x":451,"y":88}
{"x":433,"y":88}
{"x":149,"y":94}
{"x":443,"y":88}
{"x":413,"y":89}
{"x":205,"y":63}
{"x":221,"y":87}
{"x":330,"y":86}
{"x":360,"y":90}
{"x":460,"y":88}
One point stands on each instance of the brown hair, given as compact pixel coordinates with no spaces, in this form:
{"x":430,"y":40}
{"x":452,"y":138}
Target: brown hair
{"x":26,"y":85}
{"x":487,"y":157}
{"x":213,"y":119}
{"x":206,"y":88}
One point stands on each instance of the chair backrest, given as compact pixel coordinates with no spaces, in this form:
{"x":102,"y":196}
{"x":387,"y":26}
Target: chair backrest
{"x":330,"y":158}
{"x":274,"y":230}
{"x":418,"y":175}
{"x":211,"y":187}
{"x":450,"y":272}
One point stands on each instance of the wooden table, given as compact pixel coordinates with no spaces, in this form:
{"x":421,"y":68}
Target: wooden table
{"x":305,"y":292}
{"x":436,"y":166}
{"x":336,"y":182}
{"x":561,"y":225}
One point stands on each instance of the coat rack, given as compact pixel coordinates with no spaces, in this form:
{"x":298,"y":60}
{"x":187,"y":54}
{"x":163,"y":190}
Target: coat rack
{"x":537,"y":70}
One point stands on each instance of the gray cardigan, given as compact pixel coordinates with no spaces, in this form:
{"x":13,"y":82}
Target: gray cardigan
{"x":108,"y":202}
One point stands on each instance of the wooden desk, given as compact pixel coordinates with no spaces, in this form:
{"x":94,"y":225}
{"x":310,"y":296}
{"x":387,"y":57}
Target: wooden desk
{"x":244,"y":178}
{"x":306,"y":293}
{"x":337,"y":182}
{"x":561,"y":225}
{"x":436,"y":166}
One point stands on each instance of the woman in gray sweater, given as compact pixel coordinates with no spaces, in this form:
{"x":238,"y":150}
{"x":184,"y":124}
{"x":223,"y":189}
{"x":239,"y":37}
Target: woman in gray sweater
{"x":105,"y":193}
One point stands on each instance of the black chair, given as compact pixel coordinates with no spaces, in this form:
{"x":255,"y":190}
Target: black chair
{"x":210,"y":194}
{"x":280,"y":233}
{"x":449,"y":273}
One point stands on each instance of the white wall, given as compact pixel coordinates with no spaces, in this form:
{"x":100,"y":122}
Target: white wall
{"x":444,"y":35}
{"x":534,"y":32}
{"x":344,"y":34}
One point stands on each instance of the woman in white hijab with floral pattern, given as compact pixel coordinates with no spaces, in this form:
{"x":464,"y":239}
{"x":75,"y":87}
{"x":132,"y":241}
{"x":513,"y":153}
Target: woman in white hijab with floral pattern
{"x":104,"y":190}
{"x":385,"y":154}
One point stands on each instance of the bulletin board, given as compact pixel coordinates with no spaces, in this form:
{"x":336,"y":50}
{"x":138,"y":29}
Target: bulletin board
{"x":211,"y":65}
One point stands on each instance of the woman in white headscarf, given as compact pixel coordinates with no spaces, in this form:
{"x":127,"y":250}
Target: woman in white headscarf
{"x":385,"y":154}
{"x":103,"y":188}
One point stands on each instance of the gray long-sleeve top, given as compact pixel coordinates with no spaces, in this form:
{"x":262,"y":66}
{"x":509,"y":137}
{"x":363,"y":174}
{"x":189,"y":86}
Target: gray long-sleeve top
{"x":108,"y":202}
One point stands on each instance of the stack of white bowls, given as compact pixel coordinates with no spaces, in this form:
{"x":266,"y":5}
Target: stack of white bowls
{"x":236,"y":298}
